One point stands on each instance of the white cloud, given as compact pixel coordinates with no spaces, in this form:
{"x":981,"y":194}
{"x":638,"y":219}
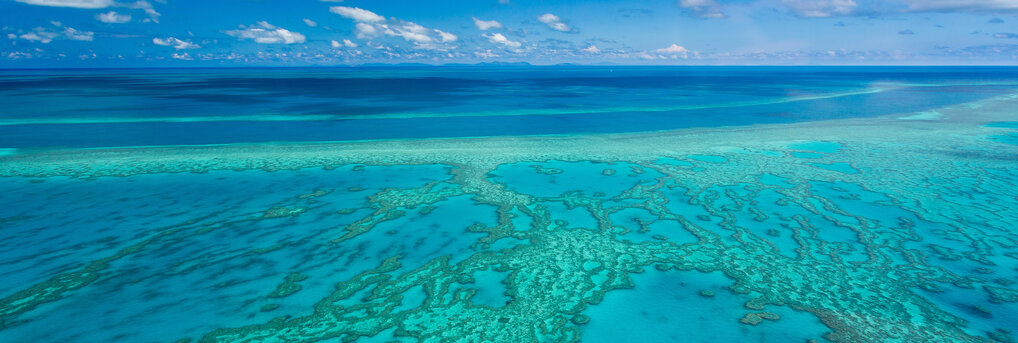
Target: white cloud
{"x":703,"y":8}
{"x":112,"y":17}
{"x":18,"y":55}
{"x":45,"y":36}
{"x":40,"y":36}
{"x":485,"y":54}
{"x":176,"y":43}
{"x":265,"y":33}
{"x":310,"y":22}
{"x":147,"y":7}
{"x":357,"y":14}
{"x":498,"y":38}
{"x":73,"y":34}
{"x":408,"y":31}
{"x":445,"y":37}
{"x":673,"y":49}
{"x":70,"y":3}
{"x":370,"y":25}
{"x":484,"y":25}
{"x":592,"y":49}
{"x":820,"y":8}
{"x":554,"y":22}
{"x":366,"y":31}
{"x":96,"y":4}
{"x":184,"y":56}
{"x":345,"y":43}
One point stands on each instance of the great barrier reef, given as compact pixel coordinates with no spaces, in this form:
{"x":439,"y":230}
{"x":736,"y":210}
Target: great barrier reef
{"x":874,"y":204}
{"x":509,"y":171}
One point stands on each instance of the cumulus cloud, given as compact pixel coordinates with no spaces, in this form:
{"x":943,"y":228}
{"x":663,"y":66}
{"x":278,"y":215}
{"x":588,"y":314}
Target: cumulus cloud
{"x":310,"y":22}
{"x":70,"y":3}
{"x":703,"y":8}
{"x":178,"y":44}
{"x":96,"y":4}
{"x":357,"y":14}
{"x":366,"y":31}
{"x":673,"y":49}
{"x":112,"y":17}
{"x":906,"y":32}
{"x":592,"y":49}
{"x":409,"y":31}
{"x":265,"y":33}
{"x":184,"y":56}
{"x":345,"y":43}
{"x":421,"y":36}
{"x":371,"y":25}
{"x":18,"y":55}
{"x":73,"y":34}
{"x":445,"y":37}
{"x":147,"y":8}
{"x":45,"y":36}
{"x":39,"y":36}
{"x":485,"y":54}
{"x":498,"y":38}
{"x":554,"y":22}
{"x":820,"y":8}
{"x":485,"y":25}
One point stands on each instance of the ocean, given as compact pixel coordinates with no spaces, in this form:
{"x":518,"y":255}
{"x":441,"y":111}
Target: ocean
{"x":510,"y":204}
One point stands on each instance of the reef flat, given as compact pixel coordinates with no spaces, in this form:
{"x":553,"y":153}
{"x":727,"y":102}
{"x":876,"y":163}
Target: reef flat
{"x":892,"y":228}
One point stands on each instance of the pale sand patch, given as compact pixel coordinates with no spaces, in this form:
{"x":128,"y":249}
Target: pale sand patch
{"x":959,"y":122}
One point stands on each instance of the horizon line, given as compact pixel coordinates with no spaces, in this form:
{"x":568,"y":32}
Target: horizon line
{"x":520,"y":65}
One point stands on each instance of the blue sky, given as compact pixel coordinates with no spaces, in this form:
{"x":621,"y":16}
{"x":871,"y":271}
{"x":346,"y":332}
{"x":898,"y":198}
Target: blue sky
{"x":180,"y":33}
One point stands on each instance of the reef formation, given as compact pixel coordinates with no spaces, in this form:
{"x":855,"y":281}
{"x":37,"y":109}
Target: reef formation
{"x":881,"y":229}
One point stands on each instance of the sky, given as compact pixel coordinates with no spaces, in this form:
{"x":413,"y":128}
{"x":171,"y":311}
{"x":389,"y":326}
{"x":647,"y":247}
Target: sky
{"x":227,"y":33}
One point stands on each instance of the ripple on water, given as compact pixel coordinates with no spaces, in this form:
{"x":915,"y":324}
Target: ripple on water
{"x":1011,"y":138}
{"x":709,"y":158}
{"x":667,"y":306}
{"x":817,"y":146}
{"x":840,"y":167}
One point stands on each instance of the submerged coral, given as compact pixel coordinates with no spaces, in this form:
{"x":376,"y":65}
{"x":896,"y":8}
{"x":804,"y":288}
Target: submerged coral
{"x":877,"y":237}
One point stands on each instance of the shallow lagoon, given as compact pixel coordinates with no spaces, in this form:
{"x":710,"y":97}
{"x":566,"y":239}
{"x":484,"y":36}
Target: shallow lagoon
{"x":832,"y":231}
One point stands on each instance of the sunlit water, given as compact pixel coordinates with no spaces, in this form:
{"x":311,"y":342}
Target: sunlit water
{"x":879,"y":205}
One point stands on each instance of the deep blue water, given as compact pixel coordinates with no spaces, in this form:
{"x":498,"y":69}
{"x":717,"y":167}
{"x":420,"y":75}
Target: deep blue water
{"x":102,"y":108}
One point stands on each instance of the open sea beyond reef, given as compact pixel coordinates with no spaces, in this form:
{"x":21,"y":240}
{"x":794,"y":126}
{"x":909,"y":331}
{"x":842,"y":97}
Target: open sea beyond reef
{"x":510,"y":204}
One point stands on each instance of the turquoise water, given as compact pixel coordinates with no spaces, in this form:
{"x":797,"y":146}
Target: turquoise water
{"x":1011,"y":138}
{"x":668,"y":306}
{"x":835,"y":222}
